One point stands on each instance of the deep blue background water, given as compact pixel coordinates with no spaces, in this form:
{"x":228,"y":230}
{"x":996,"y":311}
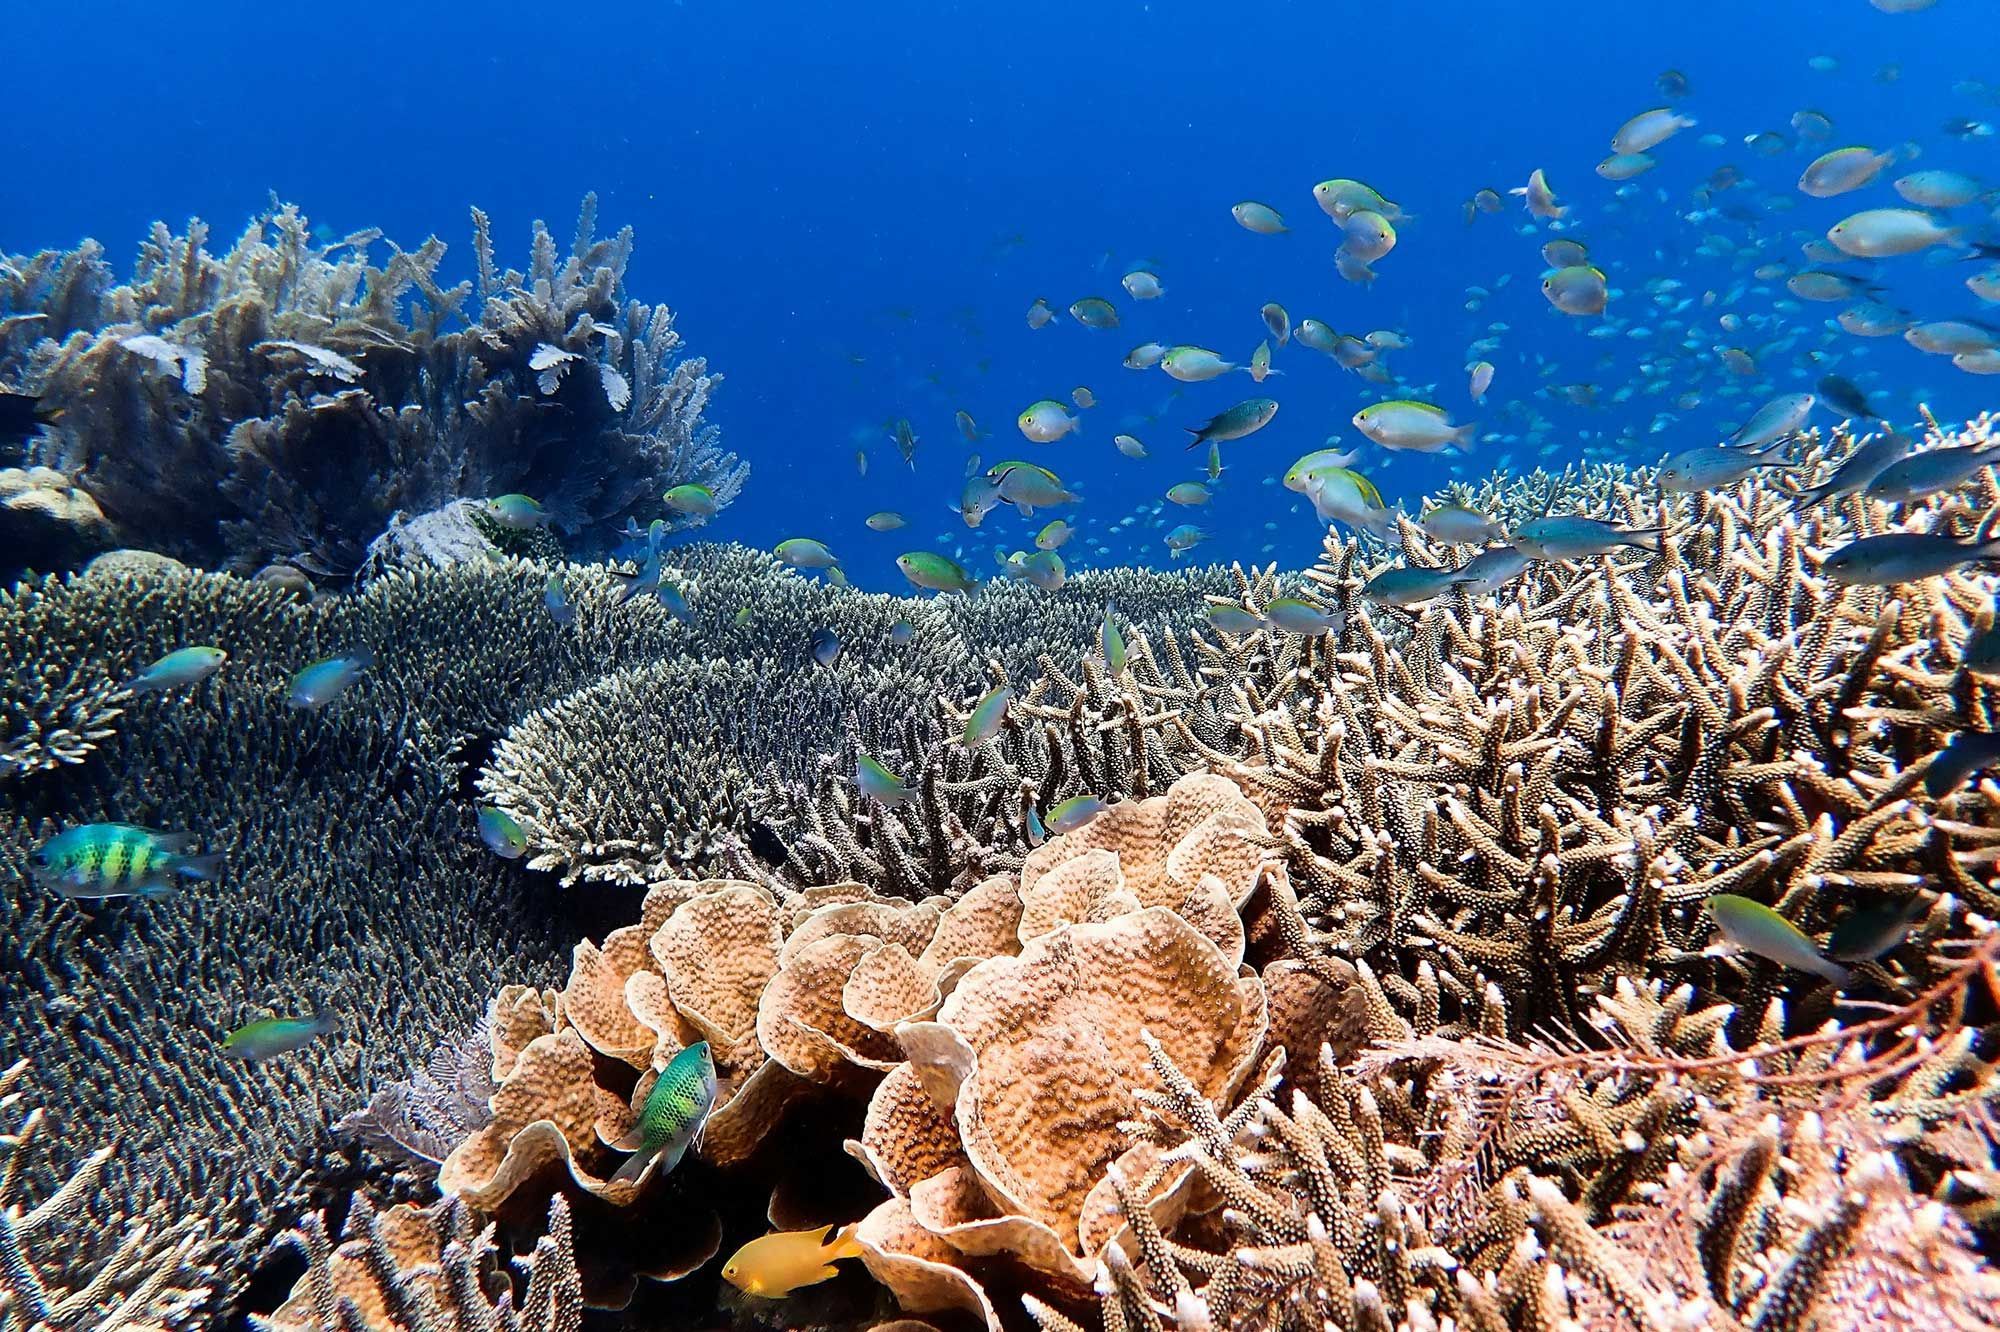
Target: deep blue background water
{"x":851,"y":206}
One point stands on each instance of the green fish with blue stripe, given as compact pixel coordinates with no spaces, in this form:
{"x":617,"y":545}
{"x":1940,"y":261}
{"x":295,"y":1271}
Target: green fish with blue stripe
{"x":100,"y":860}
{"x":671,"y":1120}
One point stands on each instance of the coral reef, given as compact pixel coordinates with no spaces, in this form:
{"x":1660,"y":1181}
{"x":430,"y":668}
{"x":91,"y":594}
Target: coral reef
{"x":427,"y":1269}
{"x":1382,"y":994}
{"x":150,"y":1274}
{"x":287,"y":399}
{"x":1420,"y":1021}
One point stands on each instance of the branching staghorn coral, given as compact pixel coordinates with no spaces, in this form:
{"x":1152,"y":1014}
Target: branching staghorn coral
{"x":413,"y":1269}
{"x":1093,"y":734}
{"x":286,"y":398}
{"x":1666,"y":1181}
{"x":152,"y":1276}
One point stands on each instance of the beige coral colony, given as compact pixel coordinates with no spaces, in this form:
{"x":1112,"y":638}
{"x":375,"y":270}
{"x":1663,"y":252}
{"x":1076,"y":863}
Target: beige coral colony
{"x":1385,"y":991}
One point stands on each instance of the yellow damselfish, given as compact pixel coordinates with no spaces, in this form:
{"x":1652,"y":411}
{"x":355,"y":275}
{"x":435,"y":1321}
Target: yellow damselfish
{"x":779,"y":1263}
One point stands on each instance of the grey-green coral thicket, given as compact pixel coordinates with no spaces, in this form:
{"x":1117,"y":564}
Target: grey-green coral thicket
{"x":354,"y":874}
{"x":289,"y":399}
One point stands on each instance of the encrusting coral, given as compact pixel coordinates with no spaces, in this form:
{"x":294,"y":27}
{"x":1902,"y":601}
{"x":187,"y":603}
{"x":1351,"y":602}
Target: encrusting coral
{"x":286,"y":399}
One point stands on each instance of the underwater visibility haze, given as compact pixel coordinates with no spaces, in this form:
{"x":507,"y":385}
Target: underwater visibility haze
{"x":1092,"y":666}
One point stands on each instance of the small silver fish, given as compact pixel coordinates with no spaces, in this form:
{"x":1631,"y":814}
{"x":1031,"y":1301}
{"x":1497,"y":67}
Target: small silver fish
{"x":1906,"y":557}
{"x":1927,"y":473}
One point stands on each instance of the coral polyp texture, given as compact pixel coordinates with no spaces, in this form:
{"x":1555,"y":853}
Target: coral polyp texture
{"x":291,"y":398}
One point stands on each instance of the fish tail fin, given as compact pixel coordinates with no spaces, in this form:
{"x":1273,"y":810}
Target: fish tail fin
{"x":1198,"y":439}
{"x":842,"y":1244}
{"x":1834,"y":972}
{"x":1645,"y":538}
{"x":634,"y":1166}
{"x":1987,"y":537}
{"x":208,"y":867}
{"x":1465,"y":434}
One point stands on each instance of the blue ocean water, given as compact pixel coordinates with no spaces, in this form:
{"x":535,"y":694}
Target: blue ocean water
{"x":852,"y":207}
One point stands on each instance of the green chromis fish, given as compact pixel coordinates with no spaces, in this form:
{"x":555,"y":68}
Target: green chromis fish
{"x":1340,"y":197}
{"x":1964,"y":754}
{"x":1184,"y":538}
{"x":555,"y":595}
{"x":1130,"y":445}
{"x":254,"y":1042}
{"x":934,"y":573}
{"x":1214,"y":468}
{"x":319,"y":684}
{"x":1906,"y":557}
{"x":1571,"y":537}
{"x":1028,"y":487}
{"x":1884,"y":233}
{"x":1188,"y":493}
{"x":1857,"y":470}
{"x":1145,"y":356}
{"x":676,"y":603}
{"x":1293,"y":616}
{"x":1417,"y":426}
{"x":691,"y":499}
{"x":1194,"y":365}
{"x":1578,"y":290}
{"x":879,"y":784}
{"x":1458,"y":525}
{"x":1317,"y":335}
{"x":180,"y":669}
{"x":1776,"y":419}
{"x":805,"y":553}
{"x":99,"y":860}
{"x":1842,"y":170}
{"x":902,"y":633}
{"x":1258,"y":217}
{"x":1920,"y":474}
{"x":967,"y":426}
{"x":1410,"y":586}
{"x":644,"y":583}
{"x":885,"y":521}
{"x":672,"y":1117}
{"x":1043,"y":568}
{"x":1073,"y":813}
{"x":1278,"y":320}
{"x":1234,"y":620}
{"x":979,"y":498}
{"x":1054,"y":536}
{"x":1094,"y":312}
{"x":825,"y":646}
{"x":516,"y":513}
{"x":1713,"y":466}
{"x":1111,"y":642}
{"x":1047,"y":421}
{"x":1649,"y":129}
{"x":1874,"y":931}
{"x":1755,"y":928}
{"x":986,"y":718}
{"x":502,"y":833}
{"x":1245,"y":418}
